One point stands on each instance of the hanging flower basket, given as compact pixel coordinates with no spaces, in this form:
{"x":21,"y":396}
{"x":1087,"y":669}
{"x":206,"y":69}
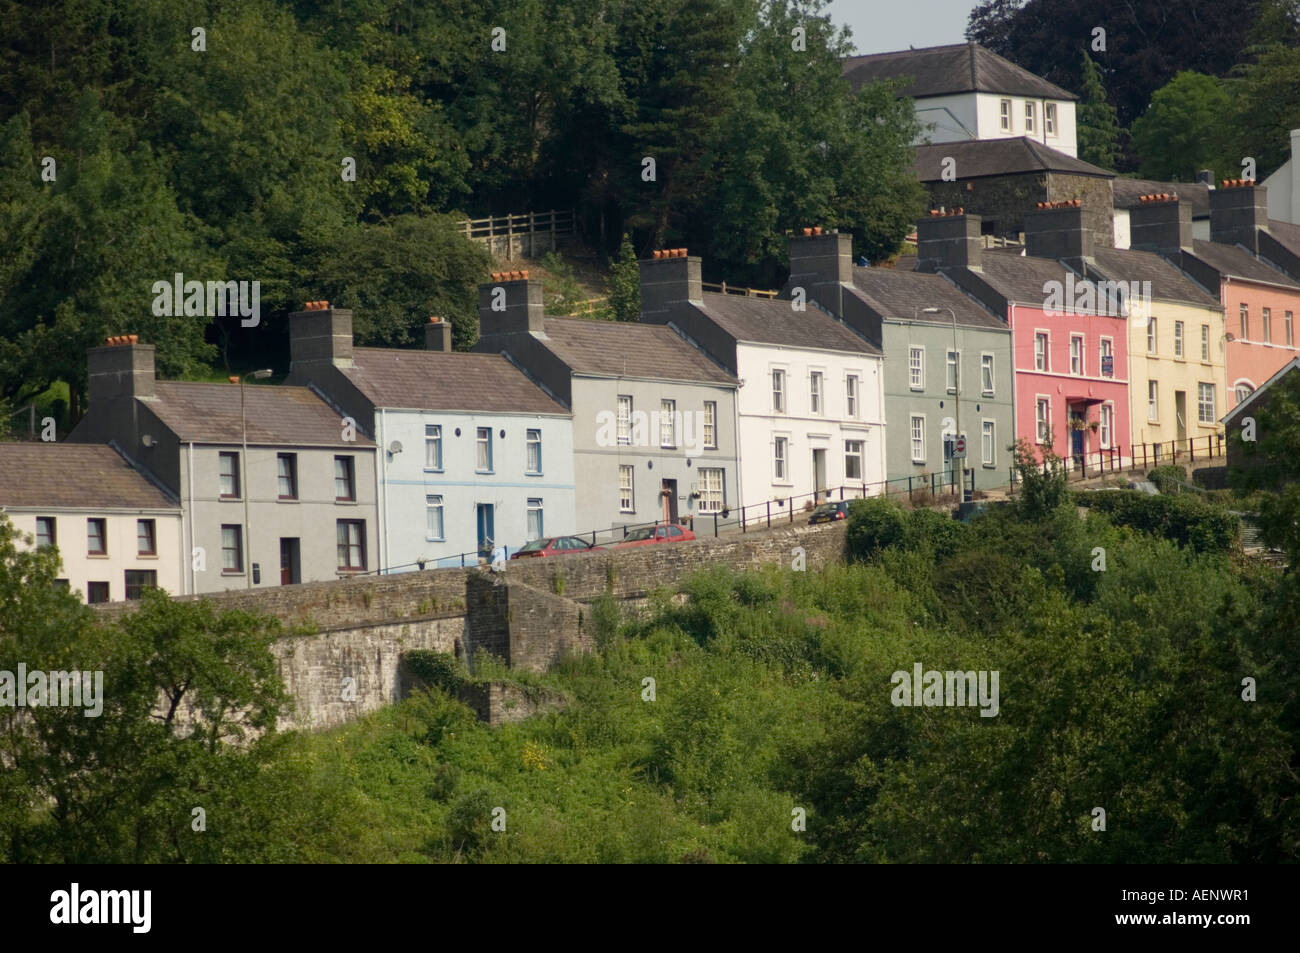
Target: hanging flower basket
{"x":1094,"y":425}
{"x":1077,"y":423}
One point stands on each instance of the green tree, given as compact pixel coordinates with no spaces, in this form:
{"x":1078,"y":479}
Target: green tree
{"x":1183,"y":129}
{"x":1271,"y":462}
{"x":625,"y":284}
{"x":1099,"y":128}
{"x":1266,"y":106}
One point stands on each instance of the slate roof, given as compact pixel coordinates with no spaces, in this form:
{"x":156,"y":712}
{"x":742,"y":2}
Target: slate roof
{"x":960,"y":68}
{"x":1238,"y":263}
{"x":90,"y":476}
{"x":1021,"y":278}
{"x":769,"y":321}
{"x":897,"y":295}
{"x":277,"y":415}
{"x":985,"y":157}
{"x":440,"y":380}
{"x":1129,"y":192}
{"x":1167,"y":282}
{"x":1286,"y":233}
{"x":625,"y":349}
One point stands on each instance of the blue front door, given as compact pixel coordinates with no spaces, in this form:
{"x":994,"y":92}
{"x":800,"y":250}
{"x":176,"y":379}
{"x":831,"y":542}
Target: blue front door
{"x":486,"y":529}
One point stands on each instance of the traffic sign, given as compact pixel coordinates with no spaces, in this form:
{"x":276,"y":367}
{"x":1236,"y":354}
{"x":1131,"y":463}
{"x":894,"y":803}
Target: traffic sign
{"x":960,"y":448}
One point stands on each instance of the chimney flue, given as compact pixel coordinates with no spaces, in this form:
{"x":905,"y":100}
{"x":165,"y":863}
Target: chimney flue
{"x":669,"y":279}
{"x":1058,"y":232}
{"x":122,"y":367}
{"x":1238,"y":213}
{"x":437,"y":335}
{"x":510,"y":303}
{"x":321,"y":333}
{"x":949,"y":241}
{"x":1160,"y":225}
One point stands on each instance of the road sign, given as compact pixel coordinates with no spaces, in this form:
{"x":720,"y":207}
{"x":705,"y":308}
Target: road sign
{"x":960,"y":448}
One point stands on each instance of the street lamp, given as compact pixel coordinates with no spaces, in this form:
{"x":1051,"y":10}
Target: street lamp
{"x":956,"y":381}
{"x":243,"y":461}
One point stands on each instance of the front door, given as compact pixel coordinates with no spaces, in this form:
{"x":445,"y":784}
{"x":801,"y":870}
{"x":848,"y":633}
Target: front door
{"x":1180,"y":418}
{"x":669,"y":494}
{"x":290,"y":566}
{"x":1076,"y":436}
{"x":819,"y":475}
{"x":486,"y":528}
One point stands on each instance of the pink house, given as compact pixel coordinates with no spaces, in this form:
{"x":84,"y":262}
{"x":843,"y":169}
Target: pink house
{"x":1069,"y":340}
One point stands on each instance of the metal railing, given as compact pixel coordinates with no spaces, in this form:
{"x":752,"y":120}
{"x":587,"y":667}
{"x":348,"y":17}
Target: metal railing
{"x":1176,"y":451}
{"x":937,"y":487}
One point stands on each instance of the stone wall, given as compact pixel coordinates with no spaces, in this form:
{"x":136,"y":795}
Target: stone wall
{"x":530,"y":615}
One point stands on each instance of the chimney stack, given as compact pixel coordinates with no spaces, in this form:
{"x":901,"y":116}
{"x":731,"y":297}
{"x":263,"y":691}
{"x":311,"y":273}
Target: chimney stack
{"x":510,"y":303}
{"x":949,"y":240}
{"x":1161,"y":223}
{"x":320,"y":333}
{"x":820,"y":264}
{"x":1056,"y":231}
{"x":669,"y":278}
{"x":122,"y":367}
{"x":437,"y":335}
{"x":1238,"y":213}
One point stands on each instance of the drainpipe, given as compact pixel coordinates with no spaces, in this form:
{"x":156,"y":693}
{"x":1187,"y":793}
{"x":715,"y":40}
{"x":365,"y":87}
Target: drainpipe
{"x":381,"y":458}
{"x":735,"y":439}
{"x":194,"y":585}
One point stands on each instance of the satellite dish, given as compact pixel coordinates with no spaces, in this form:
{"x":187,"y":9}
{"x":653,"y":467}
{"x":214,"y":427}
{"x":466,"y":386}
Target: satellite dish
{"x":395,"y":447}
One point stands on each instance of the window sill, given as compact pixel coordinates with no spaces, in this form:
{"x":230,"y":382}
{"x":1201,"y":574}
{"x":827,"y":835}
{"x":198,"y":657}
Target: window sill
{"x":339,"y":502}
{"x":232,"y":572}
{"x":434,"y":470}
{"x":287,"y":499}
{"x":229,"y":499}
{"x":533,"y":473}
{"x":146,"y":555}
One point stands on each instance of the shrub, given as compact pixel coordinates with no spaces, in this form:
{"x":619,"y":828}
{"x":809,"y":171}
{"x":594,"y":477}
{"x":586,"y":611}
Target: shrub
{"x":1182,"y":519}
{"x":874,"y":524}
{"x":1168,"y":478}
{"x":435,"y":669}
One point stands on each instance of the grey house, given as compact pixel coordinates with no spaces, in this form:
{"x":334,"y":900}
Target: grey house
{"x":654,"y":419}
{"x":277,"y":491}
{"x":947,"y":364}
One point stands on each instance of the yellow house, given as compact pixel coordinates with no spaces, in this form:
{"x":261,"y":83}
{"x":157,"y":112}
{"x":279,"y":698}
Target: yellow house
{"x":1177,"y":371}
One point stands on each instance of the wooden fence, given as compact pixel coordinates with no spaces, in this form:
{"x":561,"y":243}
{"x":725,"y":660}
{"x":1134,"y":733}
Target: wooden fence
{"x":727,"y":289}
{"x":527,"y":235}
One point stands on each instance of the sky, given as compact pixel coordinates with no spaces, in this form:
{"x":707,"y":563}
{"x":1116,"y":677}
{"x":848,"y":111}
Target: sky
{"x":880,"y":26}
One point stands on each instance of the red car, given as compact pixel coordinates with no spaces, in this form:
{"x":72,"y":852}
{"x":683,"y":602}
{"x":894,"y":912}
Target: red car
{"x":552,"y":546}
{"x":650,"y":535}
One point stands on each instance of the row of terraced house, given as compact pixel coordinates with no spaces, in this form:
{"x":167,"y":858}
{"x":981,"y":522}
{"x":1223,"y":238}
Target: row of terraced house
{"x":1108,"y":337}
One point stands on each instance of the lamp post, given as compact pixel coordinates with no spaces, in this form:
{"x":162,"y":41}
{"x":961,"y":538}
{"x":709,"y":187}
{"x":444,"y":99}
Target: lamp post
{"x":243,"y":466}
{"x":956,"y":381}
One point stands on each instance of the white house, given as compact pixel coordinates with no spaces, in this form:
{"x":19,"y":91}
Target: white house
{"x":1284,"y":186}
{"x":964,"y":92}
{"x":116,"y":531}
{"x":472,"y":455}
{"x":810,"y":407}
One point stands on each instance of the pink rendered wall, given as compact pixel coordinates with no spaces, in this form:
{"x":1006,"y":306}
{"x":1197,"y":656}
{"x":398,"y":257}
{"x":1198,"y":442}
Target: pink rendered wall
{"x":1252,"y":360}
{"x":1058,"y":384}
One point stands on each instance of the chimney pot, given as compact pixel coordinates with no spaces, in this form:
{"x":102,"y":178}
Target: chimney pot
{"x":807,"y":232}
{"x":233,"y":379}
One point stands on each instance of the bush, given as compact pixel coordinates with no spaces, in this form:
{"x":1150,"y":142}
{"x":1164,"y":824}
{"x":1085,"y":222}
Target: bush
{"x":1182,"y":519}
{"x":1168,"y":478}
{"x":874,"y":524}
{"x":435,"y":669}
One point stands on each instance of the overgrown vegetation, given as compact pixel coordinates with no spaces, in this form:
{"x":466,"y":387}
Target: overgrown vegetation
{"x":1120,"y":687}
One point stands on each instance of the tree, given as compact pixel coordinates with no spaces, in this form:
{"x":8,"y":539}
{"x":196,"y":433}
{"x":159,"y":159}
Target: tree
{"x":1041,"y":474}
{"x":1183,"y":130}
{"x":1266,"y":106}
{"x":184,"y":689}
{"x":625,"y":284}
{"x":1271,"y":463}
{"x":1098,"y":127}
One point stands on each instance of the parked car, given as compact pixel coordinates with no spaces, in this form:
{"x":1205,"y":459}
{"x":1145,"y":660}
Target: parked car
{"x":650,"y":535}
{"x":830,"y":512}
{"x":553,"y":546}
